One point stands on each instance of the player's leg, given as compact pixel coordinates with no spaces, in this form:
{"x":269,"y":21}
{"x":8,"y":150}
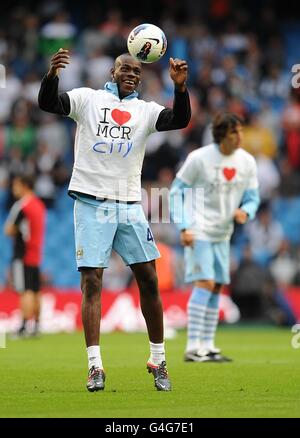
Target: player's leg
{"x":91,"y":283}
{"x":196,"y":310}
{"x":221,"y":266}
{"x":27,"y":302}
{"x":211,"y":320}
{"x":151,"y":306}
{"x":94,"y":233}
{"x":32,"y":282}
{"x":18,"y":282}
{"x":199,"y":269}
{"x":134,"y":242}
{"x":37,"y":311}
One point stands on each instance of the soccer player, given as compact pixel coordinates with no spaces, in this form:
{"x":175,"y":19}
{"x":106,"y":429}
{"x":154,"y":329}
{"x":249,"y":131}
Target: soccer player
{"x":112,"y":127}
{"x":225,"y":176}
{"x":26,"y":224}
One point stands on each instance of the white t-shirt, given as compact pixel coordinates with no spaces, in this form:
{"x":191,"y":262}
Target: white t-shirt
{"x":110,"y":143}
{"x":222,"y":180}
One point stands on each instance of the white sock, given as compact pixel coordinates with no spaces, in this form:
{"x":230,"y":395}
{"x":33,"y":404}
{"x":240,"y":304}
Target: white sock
{"x":94,"y":357}
{"x":193,"y":344}
{"x":208,"y":345}
{"x":157,"y":353}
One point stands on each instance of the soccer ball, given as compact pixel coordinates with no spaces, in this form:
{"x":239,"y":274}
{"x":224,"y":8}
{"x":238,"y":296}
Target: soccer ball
{"x":147,"y":43}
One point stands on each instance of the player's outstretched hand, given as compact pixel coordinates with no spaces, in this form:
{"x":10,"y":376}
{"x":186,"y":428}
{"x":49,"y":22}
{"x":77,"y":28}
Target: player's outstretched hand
{"x":178,"y":72}
{"x":59,"y":60}
{"x":240,"y":216}
{"x":187,"y":238}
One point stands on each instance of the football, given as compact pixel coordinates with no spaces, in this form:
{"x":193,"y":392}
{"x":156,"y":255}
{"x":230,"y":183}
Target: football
{"x":147,"y":43}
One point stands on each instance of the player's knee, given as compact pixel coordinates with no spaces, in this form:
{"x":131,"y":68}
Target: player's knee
{"x":217,"y":288}
{"x":149,"y":284}
{"x":206,"y":284}
{"x":90,"y":282}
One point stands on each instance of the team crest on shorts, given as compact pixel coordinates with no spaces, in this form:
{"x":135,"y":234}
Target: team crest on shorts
{"x":79,"y":253}
{"x":197,"y":268}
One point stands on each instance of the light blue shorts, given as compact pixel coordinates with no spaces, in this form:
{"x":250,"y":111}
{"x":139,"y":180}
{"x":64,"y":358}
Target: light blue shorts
{"x":207,"y":261}
{"x":107,"y":225}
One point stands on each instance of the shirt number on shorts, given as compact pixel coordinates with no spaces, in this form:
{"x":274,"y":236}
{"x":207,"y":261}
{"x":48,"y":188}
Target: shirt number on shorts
{"x":149,"y":235}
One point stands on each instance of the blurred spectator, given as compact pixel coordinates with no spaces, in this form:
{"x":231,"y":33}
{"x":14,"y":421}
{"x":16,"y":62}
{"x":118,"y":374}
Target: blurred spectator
{"x":31,"y":86}
{"x":275,"y":86}
{"x":265,"y":236}
{"x":97,"y":69}
{"x":233,"y":40}
{"x":257,"y":295}
{"x":258,"y":139}
{"x":54,"y":133}
{"x":59,"y":32}
{"x":21,"y":133}
{"x":291,"y":126}
{"x":289,"y":180}
{"x":113,"y":23}
{"x":72,"y":78}
{"x":285,"y":266}
{"x":46,"y":162}
{"x":2,"y":141}
{"x":92,"y":39}
{"x":268,"y":177}
{"x":9,"y":94}
{"x":247,"y":285}
{"x":270,"y":119}
{"x":30,"y":38}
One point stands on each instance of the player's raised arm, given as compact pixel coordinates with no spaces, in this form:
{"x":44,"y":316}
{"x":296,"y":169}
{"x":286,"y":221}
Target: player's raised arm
{"x":59,"y":60}
{"x":179,"y":116}
{"x":49,"y":99}
{"x":178,"y":70}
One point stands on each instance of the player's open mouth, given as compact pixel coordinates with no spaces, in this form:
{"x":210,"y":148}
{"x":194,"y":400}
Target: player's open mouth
{"x":128,"y":82}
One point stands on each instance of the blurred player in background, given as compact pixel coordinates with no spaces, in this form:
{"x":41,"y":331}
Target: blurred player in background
{"x":26,"y":225}
{"x":112,"y":129}
{"x":227,"y":176}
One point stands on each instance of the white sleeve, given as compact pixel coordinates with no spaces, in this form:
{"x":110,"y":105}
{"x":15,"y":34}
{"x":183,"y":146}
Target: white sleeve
{"x":189,"y":172}
{"x":253,"y":180}
{"x":153,"y":109}
{"x":13,"y":213}
{"x":78,"y":99}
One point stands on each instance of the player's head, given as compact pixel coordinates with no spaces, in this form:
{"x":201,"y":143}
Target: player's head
{"x":22,"y":185}
{"x":227,"y":130}
{"x":126,"y":73}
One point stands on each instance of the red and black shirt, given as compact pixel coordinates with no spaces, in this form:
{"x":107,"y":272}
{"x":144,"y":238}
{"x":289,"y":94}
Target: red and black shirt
{"x":28,"y":215}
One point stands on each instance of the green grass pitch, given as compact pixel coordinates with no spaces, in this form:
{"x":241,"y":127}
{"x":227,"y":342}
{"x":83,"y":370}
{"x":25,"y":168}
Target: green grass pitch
{"x":46,"y":378}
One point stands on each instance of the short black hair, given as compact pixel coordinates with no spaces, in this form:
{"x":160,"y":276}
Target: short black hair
{"x":126,"y":54}
{"x":222,"y":123}
{"x":26,"y":180}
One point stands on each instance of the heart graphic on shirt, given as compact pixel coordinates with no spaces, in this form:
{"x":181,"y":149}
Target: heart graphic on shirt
{"x":229,"y":173}
{"x":120,"y":117}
